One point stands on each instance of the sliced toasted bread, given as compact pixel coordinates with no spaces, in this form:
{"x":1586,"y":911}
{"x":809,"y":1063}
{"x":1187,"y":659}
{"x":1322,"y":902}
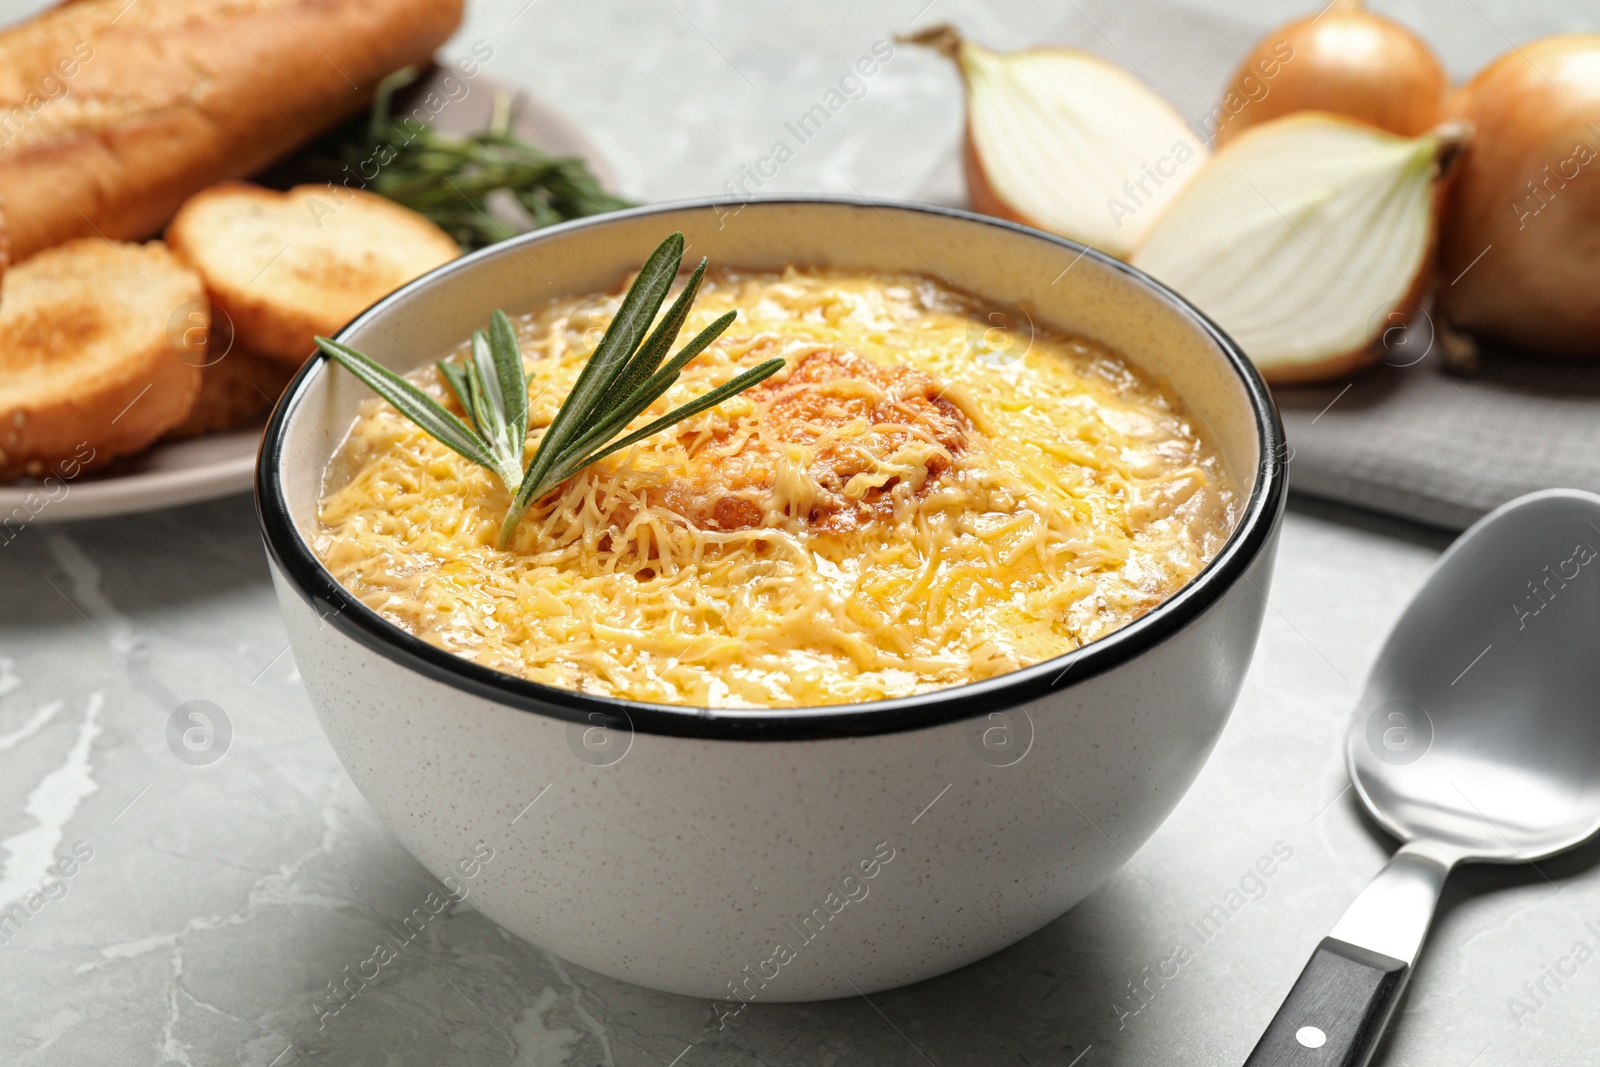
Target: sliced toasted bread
{"x":288,"y":266}
{"x":234,"y":388}
{"x":87,"y":370}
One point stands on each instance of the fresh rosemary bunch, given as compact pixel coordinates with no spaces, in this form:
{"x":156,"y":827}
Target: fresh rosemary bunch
{"x":450,"y":179}
{"x":627,"y":372}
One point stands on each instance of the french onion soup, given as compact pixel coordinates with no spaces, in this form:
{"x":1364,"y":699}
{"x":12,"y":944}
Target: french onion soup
{"x":927,"y":493}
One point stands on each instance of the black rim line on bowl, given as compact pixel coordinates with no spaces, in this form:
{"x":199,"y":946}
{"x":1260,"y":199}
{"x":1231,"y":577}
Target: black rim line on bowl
{"x":345,"y":613}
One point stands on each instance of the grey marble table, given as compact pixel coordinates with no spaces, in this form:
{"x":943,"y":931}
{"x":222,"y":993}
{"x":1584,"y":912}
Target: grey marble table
{"x":209,"y":904}
{"x":212,"y":903}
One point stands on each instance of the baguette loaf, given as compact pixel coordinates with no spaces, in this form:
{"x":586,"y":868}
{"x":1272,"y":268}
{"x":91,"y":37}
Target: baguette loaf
{"x":112,"y":114}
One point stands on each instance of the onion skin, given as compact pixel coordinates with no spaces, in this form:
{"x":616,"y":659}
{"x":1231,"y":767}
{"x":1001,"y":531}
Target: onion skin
{"x":1026,"y":176}
{"x":981,"y":196}
{"x":1346,"y":60}
{"x":1538,"y":285}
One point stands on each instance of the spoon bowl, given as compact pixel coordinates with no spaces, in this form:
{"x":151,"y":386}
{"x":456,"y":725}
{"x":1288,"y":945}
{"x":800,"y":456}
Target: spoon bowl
{"x":1480,"y":724}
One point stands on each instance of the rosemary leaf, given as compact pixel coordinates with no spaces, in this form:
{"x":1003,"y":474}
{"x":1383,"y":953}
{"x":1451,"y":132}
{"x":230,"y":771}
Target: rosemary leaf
{"x":489,"y":412}
{"x":411,"y":402}
{"x":692,"y":408}
{"x":485,"y":389}
{"x":456,"y":181}
{"x":457,"y":381}
{"x":696,"y":345}
{"x":623,"y":376}
{"x":648,"y":359}
{"x":621,"y":338}
{"x":647,"y":392}
{"x":513,"y":382}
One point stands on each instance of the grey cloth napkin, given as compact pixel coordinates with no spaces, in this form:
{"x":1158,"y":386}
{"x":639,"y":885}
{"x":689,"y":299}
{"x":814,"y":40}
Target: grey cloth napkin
{"x":1417,"y":441}
{"x":1406,"y":437}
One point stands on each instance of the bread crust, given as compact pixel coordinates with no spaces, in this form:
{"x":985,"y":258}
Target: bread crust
{"x":87,"y":373}
{"x":274,"y":313}
{"x":111,"y":114}
{"x":235,"y":388}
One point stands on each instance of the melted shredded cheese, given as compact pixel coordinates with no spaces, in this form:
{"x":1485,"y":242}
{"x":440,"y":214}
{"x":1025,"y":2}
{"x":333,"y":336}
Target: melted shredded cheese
{"x":923,"y":497}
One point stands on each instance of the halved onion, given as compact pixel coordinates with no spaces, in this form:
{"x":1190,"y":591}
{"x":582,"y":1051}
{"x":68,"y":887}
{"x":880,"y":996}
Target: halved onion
{"x":1307,"y":238}
{"x":1062,"y":140}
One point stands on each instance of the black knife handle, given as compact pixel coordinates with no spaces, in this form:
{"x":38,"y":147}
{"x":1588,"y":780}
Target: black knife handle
{"x":1335,"y":1014}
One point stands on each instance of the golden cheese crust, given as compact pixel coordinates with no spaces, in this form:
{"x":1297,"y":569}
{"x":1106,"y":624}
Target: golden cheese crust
{"x":900,"y":509}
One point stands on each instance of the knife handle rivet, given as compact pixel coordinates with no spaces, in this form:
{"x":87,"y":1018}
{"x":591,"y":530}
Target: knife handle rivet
{"x":1310,"y":1037}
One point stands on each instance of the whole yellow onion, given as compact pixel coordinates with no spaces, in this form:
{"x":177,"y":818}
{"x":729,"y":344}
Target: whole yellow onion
{"x":1346,"y":60}
{"x":1520,"y":251}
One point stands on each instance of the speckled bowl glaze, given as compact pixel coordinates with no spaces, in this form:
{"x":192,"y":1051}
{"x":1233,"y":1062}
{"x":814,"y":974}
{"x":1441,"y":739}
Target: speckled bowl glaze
{"x":786,"y":854}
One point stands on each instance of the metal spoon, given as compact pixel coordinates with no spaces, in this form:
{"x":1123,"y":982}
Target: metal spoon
{"x":1477,"y":740}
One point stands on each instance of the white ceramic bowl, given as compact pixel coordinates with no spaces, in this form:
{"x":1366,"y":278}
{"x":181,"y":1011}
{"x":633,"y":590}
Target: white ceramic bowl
{"x":782,"y":854}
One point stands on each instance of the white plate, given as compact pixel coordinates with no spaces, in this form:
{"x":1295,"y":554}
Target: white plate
{"x":170,"y":473}
{"x":163,"y":476}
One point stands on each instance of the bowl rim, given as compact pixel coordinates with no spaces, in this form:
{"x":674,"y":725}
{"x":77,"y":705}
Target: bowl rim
{"x":306,"y":575}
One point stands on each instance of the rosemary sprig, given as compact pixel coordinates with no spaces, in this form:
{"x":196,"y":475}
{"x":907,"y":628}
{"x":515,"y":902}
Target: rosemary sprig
{"x":627,"y":372}
{"x":451,"y":180}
